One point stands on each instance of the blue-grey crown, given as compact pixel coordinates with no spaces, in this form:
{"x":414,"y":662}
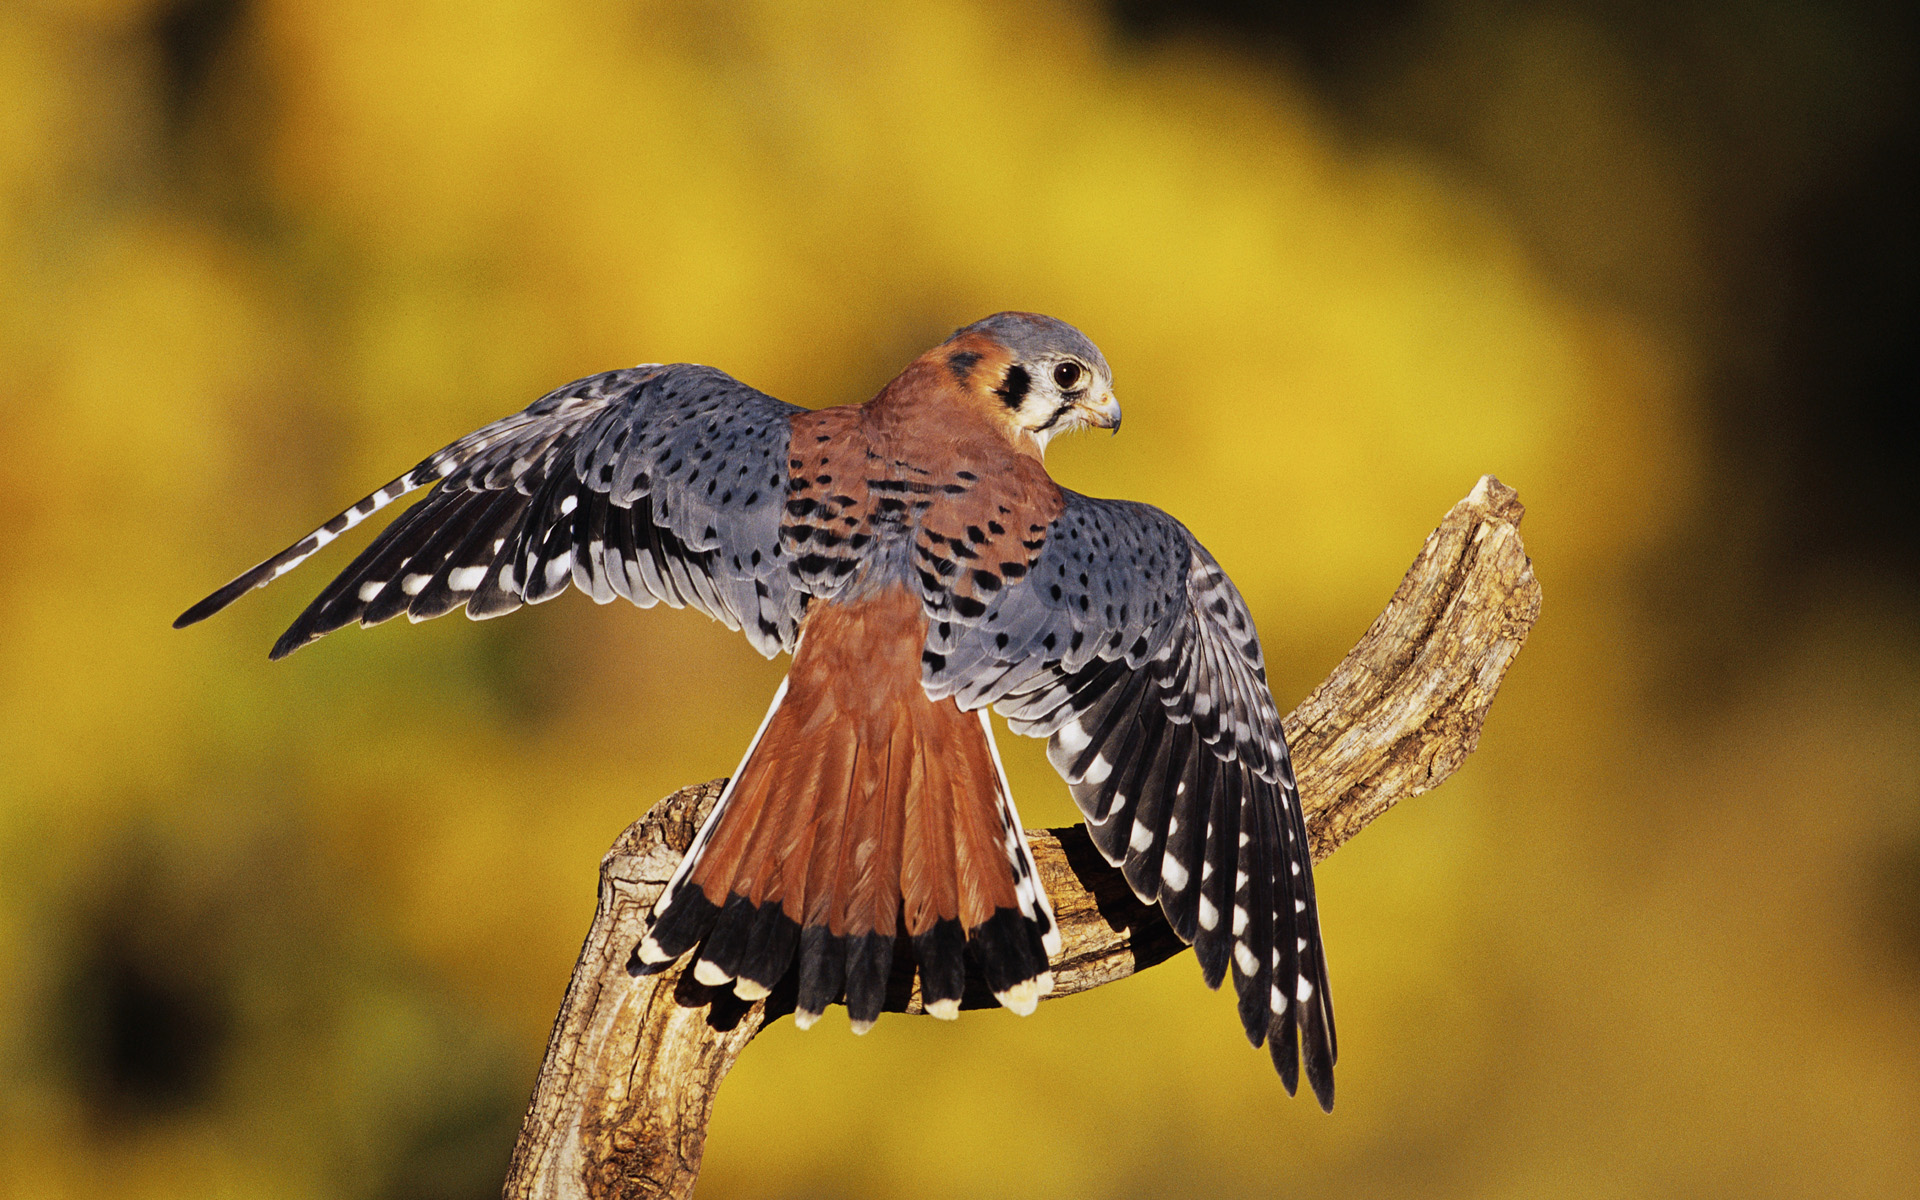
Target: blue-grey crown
{"x":1032,"y":335}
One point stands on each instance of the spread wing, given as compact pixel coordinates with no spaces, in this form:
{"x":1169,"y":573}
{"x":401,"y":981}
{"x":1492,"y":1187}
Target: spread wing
{"x":1124,"y":643}
{"x":653,"y":483}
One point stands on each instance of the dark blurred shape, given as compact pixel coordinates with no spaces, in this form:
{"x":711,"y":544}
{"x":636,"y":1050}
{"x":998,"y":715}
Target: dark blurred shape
{"x":459,"y":1151}
{"x":166,"y":938}
{"x":145,"y":1031}
{"x":1895,"y":903}
{"x":1331,"y":39}
{"x":1841,"y":424}
{"x":190,"y":35}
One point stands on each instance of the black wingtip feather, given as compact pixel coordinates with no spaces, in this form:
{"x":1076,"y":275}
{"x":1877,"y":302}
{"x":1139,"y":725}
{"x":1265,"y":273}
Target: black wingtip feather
{"x":219,"y":600}
{"x":1262,"y":858}
{"x":1214,"y":947}
{"x":266,"y":572}
{"x":1319,"y":1056}
{"x":1284,"y":1047}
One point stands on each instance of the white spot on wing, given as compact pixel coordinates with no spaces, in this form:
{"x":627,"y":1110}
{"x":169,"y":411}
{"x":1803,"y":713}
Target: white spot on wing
{"x":1098,"y":770}
{"x":1173,"y":874}
{"x":1141,"y":838}
{"x":1209,"y":915}
{"x":1306,"y":991}
{"x":371,"y":589}
{"x":465,"y":579}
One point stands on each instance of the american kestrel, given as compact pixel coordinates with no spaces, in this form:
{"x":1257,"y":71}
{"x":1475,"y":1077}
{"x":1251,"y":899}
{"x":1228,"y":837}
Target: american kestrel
{"x":916,"y":560}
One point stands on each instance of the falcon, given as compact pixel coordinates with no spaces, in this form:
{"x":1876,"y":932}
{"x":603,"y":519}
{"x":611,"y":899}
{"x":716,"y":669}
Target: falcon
{"x":917,"y":562}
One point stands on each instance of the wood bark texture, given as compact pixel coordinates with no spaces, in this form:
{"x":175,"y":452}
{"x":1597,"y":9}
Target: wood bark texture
{"x":621,"y":1105}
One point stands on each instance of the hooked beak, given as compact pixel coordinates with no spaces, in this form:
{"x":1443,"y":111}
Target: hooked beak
{"x":1103,"y":413}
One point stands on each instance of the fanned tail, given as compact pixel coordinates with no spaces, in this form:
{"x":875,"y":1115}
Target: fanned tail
{"x":865,"y":821}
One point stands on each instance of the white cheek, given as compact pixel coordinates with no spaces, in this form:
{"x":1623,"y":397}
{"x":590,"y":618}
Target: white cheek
{"x":1039,"y":406}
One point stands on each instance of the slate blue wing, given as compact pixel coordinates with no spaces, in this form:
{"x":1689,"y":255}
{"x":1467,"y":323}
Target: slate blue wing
{"x":655,"y":483}
{"x":1128,"y":647}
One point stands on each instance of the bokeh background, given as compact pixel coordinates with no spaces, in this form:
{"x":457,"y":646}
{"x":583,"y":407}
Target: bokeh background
{"x":299,"y":930}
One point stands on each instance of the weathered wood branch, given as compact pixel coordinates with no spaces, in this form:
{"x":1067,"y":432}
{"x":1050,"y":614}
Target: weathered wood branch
{"x":622,"y":1101}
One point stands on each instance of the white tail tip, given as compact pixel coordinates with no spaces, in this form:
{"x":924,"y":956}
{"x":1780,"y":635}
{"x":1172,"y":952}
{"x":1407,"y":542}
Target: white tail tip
{"x":1024,"y":997}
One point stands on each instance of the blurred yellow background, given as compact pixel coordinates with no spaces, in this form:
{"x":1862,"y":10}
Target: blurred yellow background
{"x":299,"y":930}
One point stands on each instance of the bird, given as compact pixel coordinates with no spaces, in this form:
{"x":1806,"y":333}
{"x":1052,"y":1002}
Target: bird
{"x":919,"y":565}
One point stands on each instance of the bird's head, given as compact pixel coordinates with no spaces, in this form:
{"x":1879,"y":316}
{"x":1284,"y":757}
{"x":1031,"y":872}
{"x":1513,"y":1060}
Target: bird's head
{"x":1033,"y":375}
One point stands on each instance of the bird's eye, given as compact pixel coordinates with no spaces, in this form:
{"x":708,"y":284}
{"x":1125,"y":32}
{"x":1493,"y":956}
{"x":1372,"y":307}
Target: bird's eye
{"x":1066,"y":375}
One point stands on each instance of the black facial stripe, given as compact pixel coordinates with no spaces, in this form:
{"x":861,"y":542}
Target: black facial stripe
{"x":961,"y":362}
{"x":1057,"y":414}
{"x":1015,"y":388}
